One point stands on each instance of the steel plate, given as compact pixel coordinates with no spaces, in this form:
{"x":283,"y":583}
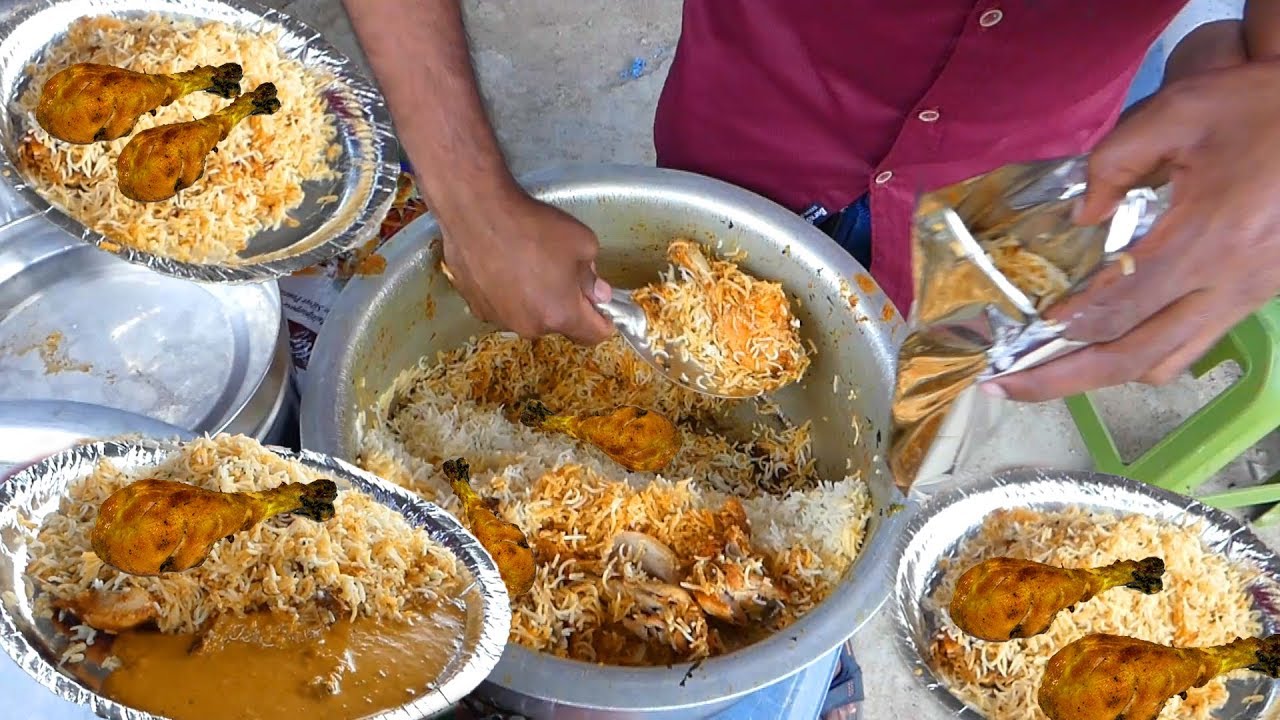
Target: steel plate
{"x":79,"y":324}
{"x":35,"y":492}
{"x":946,"y":522}
{"x":368,"y":166}
{"x":33,"y":429}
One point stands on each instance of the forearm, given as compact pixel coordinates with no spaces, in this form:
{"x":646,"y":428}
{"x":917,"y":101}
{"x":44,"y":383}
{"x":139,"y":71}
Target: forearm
{"x":1212,"y":46}
{"x":418,"y":50}
{"x":1262,"y":29}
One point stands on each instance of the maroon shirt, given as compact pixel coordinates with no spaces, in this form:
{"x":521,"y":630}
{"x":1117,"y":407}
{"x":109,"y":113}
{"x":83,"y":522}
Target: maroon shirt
{"x":821,"y":101}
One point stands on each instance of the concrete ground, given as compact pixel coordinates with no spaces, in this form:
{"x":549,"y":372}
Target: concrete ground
{"x":577,"y":82}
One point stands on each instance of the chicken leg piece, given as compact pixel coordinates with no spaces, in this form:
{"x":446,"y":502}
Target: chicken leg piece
{"x":88,"y":103}
{"x":504,"y":541}
{"x":1109,"y":677}
{"x":159,"y":162}
{"x":637,"y":439}
{"x":153,"y":526}
{"x":1005,"y":598}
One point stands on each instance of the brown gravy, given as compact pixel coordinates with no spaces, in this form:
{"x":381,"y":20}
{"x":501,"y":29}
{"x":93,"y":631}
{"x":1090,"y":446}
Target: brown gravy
{"x":268,"y":668}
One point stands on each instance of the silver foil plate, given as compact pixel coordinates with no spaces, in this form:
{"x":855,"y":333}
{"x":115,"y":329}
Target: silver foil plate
{"x":35,"y":492}
{"x":942,"y":525}
{"x":367,"y":168}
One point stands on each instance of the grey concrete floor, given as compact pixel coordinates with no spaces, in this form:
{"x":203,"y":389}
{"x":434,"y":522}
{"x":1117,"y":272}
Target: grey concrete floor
{"x":556,"y":77}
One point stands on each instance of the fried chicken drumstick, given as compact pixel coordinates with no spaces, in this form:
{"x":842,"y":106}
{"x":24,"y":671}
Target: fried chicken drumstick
{"x":157,"y":526}
{"x":1109,"y":677}
{"x":637,"y":439}
{"x":504,"y":541}
{"x":88,"y":103}
{"x":159,"y":162}
{"x":1005,"y":598}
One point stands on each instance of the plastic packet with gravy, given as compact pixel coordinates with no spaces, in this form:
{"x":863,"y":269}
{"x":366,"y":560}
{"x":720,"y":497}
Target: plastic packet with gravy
{"x":989,"y":256}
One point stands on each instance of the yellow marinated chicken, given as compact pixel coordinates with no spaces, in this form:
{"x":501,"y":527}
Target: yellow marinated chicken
{"x":153,"y":526}
{"x":1005,"y":598}
{"x":637,"y":439}
{"x":1109,"y":677}
{"x":159,"y":162}
{"x":504,"y":541}
{"x":88,"y":103}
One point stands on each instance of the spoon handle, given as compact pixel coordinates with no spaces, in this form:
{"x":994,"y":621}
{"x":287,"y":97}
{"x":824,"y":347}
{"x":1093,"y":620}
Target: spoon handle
{"x":626,"y":315}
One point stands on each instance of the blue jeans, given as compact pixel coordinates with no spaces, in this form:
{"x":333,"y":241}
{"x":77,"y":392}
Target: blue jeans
{"x":851,"y":229}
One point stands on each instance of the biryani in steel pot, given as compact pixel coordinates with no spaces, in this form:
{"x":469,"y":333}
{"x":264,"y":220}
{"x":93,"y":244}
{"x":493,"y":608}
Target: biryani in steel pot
{"x":138,"y":128}
{"x":660,"y":532}
{"x":230,"y":582}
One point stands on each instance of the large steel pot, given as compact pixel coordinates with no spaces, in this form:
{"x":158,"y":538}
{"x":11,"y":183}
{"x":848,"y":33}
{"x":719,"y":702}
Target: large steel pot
{"x":383,"y":324}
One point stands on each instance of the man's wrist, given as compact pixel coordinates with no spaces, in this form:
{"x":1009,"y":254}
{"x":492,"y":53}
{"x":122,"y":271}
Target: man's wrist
{"x":1212,"y":46}
{"x":451,"y":189}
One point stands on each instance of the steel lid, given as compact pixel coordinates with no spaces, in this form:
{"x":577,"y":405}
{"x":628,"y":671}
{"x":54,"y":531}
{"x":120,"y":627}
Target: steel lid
{"x":80,"y":324}
{"x":33,"y":429}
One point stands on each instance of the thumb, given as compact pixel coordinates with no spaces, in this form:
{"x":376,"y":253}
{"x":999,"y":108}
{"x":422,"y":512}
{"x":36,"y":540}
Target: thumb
{"x":1135,"y":152}
{"x":595,"y":288}
{"x":588,"y":326}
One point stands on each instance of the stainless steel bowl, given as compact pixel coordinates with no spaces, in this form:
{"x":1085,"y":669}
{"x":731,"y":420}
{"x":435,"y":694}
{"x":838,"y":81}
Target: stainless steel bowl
{"x":383,"y":324}
{"x":269,"y":413}
{"x":32,"y":429}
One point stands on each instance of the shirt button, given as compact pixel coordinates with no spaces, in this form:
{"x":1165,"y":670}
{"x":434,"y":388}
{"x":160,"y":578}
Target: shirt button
{"x":929,"y":116}
{"x":990,"y":18}
{"x":884,"y":177}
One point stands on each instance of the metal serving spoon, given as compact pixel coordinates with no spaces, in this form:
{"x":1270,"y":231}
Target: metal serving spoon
{"x":633,"y":325}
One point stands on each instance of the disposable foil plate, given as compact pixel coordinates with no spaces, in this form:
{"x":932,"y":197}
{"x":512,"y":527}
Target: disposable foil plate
{"x":946,"y":522}
{"x":78,"y":324}
{"x":34,"y":493}
{"x":367,"y":167}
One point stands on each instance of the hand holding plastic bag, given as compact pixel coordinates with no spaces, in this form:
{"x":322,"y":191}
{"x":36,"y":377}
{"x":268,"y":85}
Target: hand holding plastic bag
{"x":990,"y":256}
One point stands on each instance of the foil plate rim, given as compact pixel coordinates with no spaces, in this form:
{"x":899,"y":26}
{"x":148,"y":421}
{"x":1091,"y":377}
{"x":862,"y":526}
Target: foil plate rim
{"x":379,"y":175}
{"x":49,"y":478}
{"x":1042,"y":489}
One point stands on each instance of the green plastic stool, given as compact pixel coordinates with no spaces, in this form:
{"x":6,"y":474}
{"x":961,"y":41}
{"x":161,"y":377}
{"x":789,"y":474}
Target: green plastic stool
{"x":1217,"y":433}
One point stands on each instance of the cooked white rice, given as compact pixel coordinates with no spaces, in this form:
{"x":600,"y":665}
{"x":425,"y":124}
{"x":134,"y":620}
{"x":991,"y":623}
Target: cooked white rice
{"x":250,"y":184}
{"x":1204,"y":602}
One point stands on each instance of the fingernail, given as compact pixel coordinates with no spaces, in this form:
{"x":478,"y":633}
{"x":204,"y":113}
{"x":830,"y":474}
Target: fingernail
{"x":601,"y":291}
{"x":994,"y":390}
